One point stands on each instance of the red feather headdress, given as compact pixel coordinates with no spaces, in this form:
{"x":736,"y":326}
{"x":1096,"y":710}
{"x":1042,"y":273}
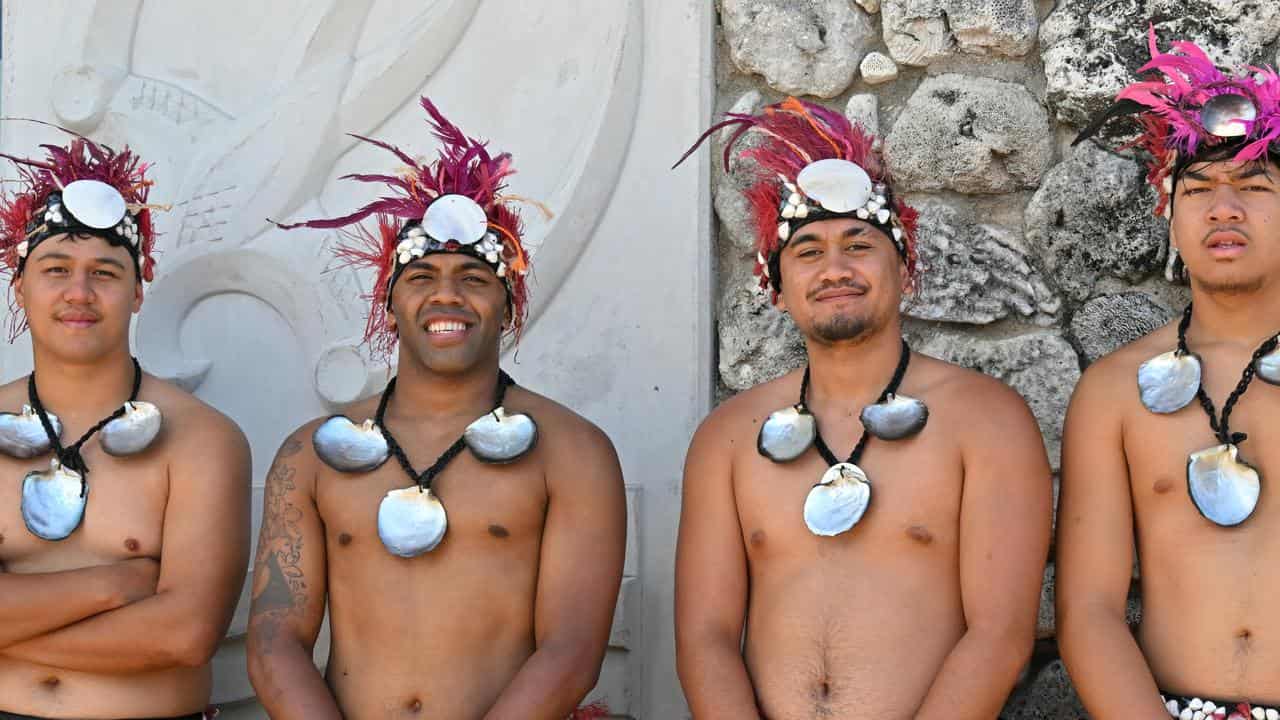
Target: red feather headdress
{"x":796,"y":136}
{"x":403,"y":232}
{"x":34,"y":212}
{"x":1195,"y":105}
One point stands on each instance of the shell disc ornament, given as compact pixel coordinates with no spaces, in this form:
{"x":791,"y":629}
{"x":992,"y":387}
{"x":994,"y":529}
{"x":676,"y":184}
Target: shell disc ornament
{"x":786,"y":434}
{"x":1224,"y":488}
{"x":896,"y":418}
{"x":1268,"y":367}
{"x":22,"y":435}
{"x":457,"y":218}
{"x":839,"y":186}
{"x":132,"y":432}
{"x":1168,"y":382}
{"x":94,"y":203}
{"x":838,"y":501}
{"x":411,"y":521}
{"x":1227,"y":115}
{"x":350,"y":448}
{"x":53,"y":501}
{"x":501,"y":438}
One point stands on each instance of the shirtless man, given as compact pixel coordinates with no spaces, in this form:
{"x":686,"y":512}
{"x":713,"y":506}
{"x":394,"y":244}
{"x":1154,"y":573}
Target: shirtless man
{"x":501,"y":611}
{"x":1210,"y":633}
{"x":114,"y":613}
{"x":925,"y":607}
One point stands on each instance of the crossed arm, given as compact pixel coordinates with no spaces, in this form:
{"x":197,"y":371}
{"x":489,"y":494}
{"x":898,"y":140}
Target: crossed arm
{"x":109,"y":620}
{"x":1095,"y":558}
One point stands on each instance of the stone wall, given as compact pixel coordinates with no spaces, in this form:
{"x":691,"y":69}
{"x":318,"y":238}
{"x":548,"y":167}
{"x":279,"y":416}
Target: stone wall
{"x":1039,"y":257}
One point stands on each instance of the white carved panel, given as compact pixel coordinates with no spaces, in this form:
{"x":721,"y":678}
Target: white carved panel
{"x":243,"y":107}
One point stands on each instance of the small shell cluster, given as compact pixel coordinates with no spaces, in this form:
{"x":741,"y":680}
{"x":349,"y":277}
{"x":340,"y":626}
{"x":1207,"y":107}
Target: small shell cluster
{"x":1197,"y":709}
{"x":128,"y":229}
{"x":416,"y":243}
{"x":840,"y":187}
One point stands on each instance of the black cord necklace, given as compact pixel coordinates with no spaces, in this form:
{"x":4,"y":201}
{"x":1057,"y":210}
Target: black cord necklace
{"x":1224,"y":488}
{"x":424,"y":479}
{"x":70,"y":457}
{"x":891,"y":389}
{"x":842,"y":496}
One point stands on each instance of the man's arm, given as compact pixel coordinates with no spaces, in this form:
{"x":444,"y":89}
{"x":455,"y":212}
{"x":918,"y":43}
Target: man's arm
{"x":1005,"y":517}
{"x":289,"y":588}
{"x":1095,"y":558}
{"x":37,"y":603}
{"x":711,"y":584}
{"x":579,"y":572}
{"x":205,"y":541}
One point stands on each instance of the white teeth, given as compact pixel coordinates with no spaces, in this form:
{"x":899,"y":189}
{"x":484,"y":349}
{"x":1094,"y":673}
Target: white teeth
{"x":445,"y":326}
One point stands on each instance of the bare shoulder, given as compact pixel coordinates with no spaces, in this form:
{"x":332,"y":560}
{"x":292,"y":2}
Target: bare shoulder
{"x":558,"y":426}
{"x":953,"y":392}
{"x":740,"y":416}
{"x":1120,"y":366}
{"x":190,"y":422}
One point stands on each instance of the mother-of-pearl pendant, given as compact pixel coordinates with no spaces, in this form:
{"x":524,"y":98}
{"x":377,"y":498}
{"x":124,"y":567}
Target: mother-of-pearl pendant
{"x":132,"y":432}
{"x":1268,"y":367}
{"x":838,"y":501}
{"x":411,"y":521}
{"x":896,"y":418}
{"x":786,"y":434}
{"x":22,"y":434}
{"x":1224,"y":488}
{"x":501,"y":438}
{"x":1169,"y":381}
{"x":53,"y":501}
{"x":350,"y":448}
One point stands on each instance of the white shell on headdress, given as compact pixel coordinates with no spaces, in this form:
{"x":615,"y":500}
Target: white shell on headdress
{"x":839,"y":186}
{"x":457,"y":218}
{"x":1225,"y":115}
{"x":94,"y":203}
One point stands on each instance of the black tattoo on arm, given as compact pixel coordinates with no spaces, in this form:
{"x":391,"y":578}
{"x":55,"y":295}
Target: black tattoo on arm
{"x":279,"y":552}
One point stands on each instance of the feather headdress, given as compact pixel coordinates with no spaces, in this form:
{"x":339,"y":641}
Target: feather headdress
{"x":85,"y":188}
{"x":813,"y":165}
{"x":1191,"y":106}
{"x":454,"y":204}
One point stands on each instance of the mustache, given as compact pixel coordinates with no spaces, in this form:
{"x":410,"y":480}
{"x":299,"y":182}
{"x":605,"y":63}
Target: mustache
{"x":1225,"y":228}
{"x":837,"y":284}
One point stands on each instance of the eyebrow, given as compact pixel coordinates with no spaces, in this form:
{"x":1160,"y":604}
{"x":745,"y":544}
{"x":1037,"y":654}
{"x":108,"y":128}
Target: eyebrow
{"x":63,"y":256}
{"x":849,"y":232}
{"x":1253,"y":170}
{"x":469,"y":264}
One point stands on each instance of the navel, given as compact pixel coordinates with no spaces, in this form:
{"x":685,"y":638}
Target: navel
{"x":498,"y":531}
{"x":414,"y":706}
{"x":920,"y":534}
{"x":1,"y":538}
{"x":131,"y":545}
{"x":51,"y":683}
{"x":344,"y":539}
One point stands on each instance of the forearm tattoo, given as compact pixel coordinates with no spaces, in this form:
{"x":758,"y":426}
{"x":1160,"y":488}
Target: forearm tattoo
{"x":279,"y":549}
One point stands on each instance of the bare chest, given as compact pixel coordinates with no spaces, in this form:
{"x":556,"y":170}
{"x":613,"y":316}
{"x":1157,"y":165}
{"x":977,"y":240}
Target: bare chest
{"x":124,"y":514}
{"x":916,"y":486}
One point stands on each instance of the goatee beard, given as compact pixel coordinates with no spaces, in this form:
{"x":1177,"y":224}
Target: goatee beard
{"x":1232,"y":286}
{"x":841,"y":328}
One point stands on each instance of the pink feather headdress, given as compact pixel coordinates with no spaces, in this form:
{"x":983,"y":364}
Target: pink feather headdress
{"x":1192,"y":105}
{"x":70,"y":191}
{"x":454,"y":204}
{"x":799,"y":142}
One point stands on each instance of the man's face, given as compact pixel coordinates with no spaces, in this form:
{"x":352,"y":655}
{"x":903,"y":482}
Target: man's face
{"x":1226,"y":224}
{"x":78,"y":293}
{"x":841,"y":279}
{"x":449,"y":310}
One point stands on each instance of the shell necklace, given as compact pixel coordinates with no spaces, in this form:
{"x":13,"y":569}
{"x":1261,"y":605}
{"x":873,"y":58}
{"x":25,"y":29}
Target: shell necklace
{"x":53,"y":501}
{"x":1223,"y":487}
{"x":838,"y":501}
{"x":412,"y":520}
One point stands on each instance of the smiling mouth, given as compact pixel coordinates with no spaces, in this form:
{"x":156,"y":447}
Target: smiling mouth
{"x":445,"y":327}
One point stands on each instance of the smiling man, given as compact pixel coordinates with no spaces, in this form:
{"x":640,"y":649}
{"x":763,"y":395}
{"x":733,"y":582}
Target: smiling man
{"x":1170,"y":440}
{"x":866,"y":537}
{"x":468,"y":536}
{"x":112,"y":598}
